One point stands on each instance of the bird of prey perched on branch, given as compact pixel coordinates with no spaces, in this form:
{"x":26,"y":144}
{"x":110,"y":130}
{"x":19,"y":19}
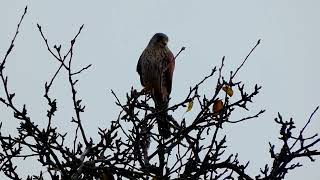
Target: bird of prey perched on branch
{"x":155,"y":67}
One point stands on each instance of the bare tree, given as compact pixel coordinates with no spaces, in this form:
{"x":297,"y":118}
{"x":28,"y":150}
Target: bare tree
{"x":123,"y":149}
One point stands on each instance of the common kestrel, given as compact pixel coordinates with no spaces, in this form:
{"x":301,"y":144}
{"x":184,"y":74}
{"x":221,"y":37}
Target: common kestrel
{"x":155,"y":67}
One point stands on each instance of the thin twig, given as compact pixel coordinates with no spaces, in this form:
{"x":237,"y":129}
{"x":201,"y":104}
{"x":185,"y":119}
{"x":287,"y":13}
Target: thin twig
{"x":258,"y":42}
{"x":13,"y":39}
{"x":182,"y":49}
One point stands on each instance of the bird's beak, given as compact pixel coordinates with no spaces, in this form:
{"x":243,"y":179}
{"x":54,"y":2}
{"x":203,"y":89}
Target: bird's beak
{"x":165,"y":43}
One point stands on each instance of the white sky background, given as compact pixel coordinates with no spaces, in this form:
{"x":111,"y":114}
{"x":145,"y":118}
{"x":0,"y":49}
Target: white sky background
{"x":286,"y":63}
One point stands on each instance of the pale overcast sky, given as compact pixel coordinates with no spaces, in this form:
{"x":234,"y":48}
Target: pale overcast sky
{"x":286,"y":63}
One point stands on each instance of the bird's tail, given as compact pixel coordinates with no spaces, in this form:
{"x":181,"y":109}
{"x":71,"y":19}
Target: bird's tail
{"x":163,"y":118}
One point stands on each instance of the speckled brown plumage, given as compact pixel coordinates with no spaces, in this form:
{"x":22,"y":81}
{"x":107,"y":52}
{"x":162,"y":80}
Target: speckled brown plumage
{"x":155,"y":67}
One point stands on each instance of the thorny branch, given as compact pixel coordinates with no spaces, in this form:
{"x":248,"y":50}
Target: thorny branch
{"x":195,"y":150}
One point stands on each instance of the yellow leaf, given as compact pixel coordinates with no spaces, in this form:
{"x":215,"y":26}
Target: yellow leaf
{"x":217,"y":106}
{"x":228,"y":90}
{"x":190,"y":105}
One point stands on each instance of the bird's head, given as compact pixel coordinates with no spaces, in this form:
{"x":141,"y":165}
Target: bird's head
{"x":159,"y":40}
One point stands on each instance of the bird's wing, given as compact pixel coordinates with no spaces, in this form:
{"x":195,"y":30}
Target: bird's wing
{"x":139,"y":65}
{"x":139,"y":70}
{"x":168,"y":73}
